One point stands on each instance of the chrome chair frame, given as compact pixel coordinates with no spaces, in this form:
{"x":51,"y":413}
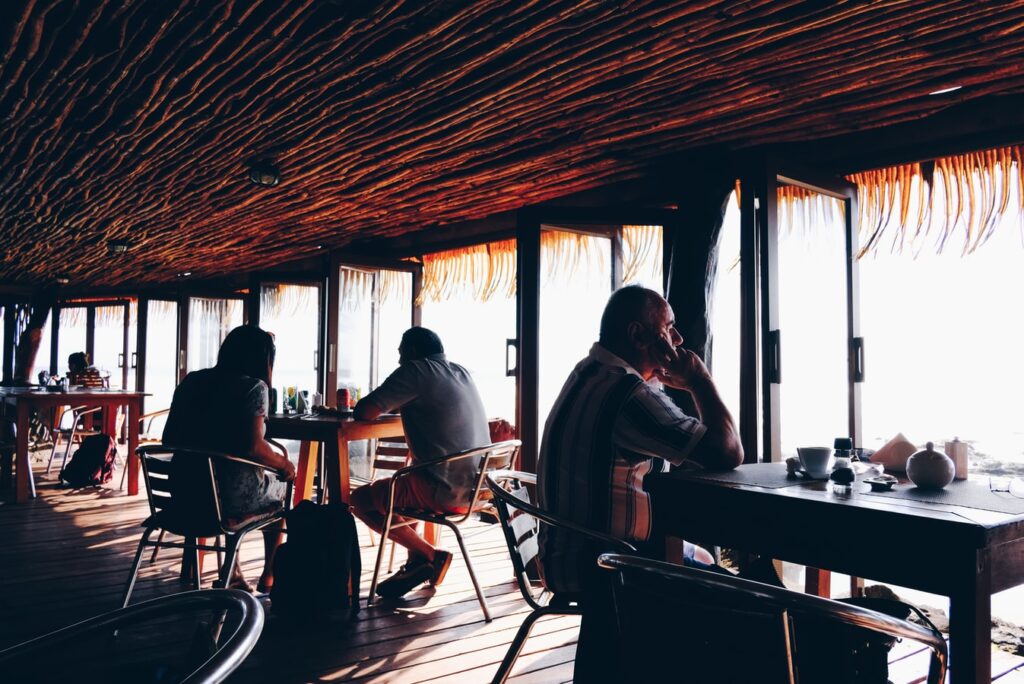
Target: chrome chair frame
{"x":500,"y":454}
{"x":232,"y":650}
{"x":145,"y":437}
{"x":793,"y":604}
{"x":521,"y":538}
{"x":159,"y":499}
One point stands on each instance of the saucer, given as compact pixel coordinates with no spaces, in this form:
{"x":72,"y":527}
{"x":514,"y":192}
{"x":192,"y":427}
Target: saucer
{"x":804,"y":473}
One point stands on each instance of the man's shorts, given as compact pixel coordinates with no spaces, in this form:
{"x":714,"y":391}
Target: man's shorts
{"x":411,"y":491}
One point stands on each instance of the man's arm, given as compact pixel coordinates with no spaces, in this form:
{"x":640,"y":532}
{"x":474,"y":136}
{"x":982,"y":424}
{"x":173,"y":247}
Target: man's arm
{"x":395,"y":392}
{"x":720,"y":448}
{"x":366,"y":410}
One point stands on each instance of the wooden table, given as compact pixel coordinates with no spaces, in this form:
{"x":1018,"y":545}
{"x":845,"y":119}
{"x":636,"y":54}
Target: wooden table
{"x":24,"y":399}
{"x":335,"y":433}
{"x":964,"y":553}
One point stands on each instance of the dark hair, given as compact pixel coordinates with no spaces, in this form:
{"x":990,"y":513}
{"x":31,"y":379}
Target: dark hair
{"x":78,"y":359}
{"x":419,"y":342}
{"x":248,"y":350}
{"x":626,"y":305}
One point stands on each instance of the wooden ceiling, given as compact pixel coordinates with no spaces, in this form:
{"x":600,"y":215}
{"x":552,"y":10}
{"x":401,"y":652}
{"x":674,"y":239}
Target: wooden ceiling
{"x":136,"y":120}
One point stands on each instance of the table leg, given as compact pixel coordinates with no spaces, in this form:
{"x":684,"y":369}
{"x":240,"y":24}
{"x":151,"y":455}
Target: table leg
{"x":818,"y":582}
{"x":970,"y":625}
{"x":134,"y":415}
{"x":336,"y":462}
{"x":304,"y":473}
{"x":21,"y":455}
{"x":110,"y":420}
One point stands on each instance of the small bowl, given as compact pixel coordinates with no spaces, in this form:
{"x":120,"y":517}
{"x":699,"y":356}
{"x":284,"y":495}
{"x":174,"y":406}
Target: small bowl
{"x":881,"y":483}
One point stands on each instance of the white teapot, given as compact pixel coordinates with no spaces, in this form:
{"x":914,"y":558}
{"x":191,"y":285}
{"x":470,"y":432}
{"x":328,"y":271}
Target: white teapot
{"x":930,"y":469}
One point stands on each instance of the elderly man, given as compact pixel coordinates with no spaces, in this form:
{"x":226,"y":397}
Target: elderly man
{"x":442,"y":414}
{"x":611,"y":426}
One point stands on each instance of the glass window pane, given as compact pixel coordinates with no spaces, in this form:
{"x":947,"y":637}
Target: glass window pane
{"x":209,"y":322}
{"x":394,"y":307}
{"x":108,"y":343}
{"x":161,"y":353}
{"x":474,"y":334}
{"x":355,"y":329}
{"x":942,"y":342}
{"x":43,"y":355}
{"x":577,"y":282}
{"x":292,"y":314}
{"x":725,"y":311}
{"x":642,"y":257}
{"x":71,"y":337}
{"x":812,"y":322}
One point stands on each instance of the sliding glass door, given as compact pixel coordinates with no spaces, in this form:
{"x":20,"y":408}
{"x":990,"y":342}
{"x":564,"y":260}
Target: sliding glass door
{"x":291,"y":313}
{"x":210,"y":319}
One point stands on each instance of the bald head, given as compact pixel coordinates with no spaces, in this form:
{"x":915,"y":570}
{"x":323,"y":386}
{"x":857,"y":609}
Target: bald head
{"x":629,"y":304}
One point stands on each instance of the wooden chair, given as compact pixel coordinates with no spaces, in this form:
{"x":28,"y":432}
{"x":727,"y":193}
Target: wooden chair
{"x":73,"y":431}
{"x":696,"y":625}
{"x":492,"y":456}
{"x":148,"y":623}
{"x":200,"y":516}
{"x":521,"y":521}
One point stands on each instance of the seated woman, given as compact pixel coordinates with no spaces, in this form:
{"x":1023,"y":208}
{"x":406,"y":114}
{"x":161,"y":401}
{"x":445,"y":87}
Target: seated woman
{"x":223,"y":409}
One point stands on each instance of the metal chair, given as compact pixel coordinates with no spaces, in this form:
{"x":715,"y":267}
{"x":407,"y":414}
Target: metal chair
{"x":26,"y":660}
{"x":76,"y":431}
{"x":492,"y":456}
{"x":521,"y":521}
{"x":732,"y":629}
{"x":167,"y":516}
{"x":389,"y":454}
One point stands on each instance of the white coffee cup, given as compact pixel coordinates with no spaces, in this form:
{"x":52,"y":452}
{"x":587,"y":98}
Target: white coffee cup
{"x":816,"y":461}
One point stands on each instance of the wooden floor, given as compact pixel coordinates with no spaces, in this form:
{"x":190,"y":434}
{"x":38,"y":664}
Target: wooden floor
{"x":65,"y":557}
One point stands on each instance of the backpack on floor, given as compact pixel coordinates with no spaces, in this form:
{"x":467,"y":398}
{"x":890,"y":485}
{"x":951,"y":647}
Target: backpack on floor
{"x":93,"y":463}
{"x":317,"y":570}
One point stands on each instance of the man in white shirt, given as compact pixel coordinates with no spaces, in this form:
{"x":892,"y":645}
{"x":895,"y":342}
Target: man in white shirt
{"x":442,"y":414}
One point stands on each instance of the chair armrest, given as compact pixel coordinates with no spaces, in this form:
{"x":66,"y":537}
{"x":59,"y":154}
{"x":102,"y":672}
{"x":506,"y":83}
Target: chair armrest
{"x":469,"y":453}
{"x":79,"y":412}
{"x":551,"y":520}
{"x":154,"y":414}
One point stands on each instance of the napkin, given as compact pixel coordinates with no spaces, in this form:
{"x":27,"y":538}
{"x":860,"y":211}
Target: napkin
{"x":894,"y":454}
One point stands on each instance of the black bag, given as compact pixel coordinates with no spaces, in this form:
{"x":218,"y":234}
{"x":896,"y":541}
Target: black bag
{"x":93,"y":463}
{"x":317,"y":571}
{"x":826,"y":652}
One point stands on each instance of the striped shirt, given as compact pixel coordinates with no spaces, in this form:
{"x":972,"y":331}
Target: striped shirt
{"x":607,"y":430}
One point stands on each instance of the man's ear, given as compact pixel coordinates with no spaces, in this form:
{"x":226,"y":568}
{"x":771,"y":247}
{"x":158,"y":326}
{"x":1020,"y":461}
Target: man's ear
{"x":637,"y":335}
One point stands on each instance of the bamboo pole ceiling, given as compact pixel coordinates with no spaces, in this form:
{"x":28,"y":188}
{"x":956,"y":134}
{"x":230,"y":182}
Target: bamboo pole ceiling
{"x":135,"y":120}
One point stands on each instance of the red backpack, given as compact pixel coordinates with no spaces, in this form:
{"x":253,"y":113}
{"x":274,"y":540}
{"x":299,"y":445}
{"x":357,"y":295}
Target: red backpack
{"x":93,"y":463}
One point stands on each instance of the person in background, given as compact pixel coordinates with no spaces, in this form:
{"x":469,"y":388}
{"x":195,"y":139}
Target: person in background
{"x":82,"y":374}
{"x":224,"y":409}
{"x":442,"y":414}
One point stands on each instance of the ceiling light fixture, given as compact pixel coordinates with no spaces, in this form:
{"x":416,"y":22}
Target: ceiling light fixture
{"x":62,"y":280}
{"x":118,"y":246}
{"x":264,"y":173}
{"x":184,"y":274}
{"x":943,"y":91}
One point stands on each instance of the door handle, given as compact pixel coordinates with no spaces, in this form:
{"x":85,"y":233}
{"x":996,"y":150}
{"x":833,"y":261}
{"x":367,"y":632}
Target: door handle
{"x":135,"y":359}
{"x":774,"y":357}
{"x":120,"y":359}
{"x":316,"y":359}
{"x":857,"y":344}
{"x":510,"y":370}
